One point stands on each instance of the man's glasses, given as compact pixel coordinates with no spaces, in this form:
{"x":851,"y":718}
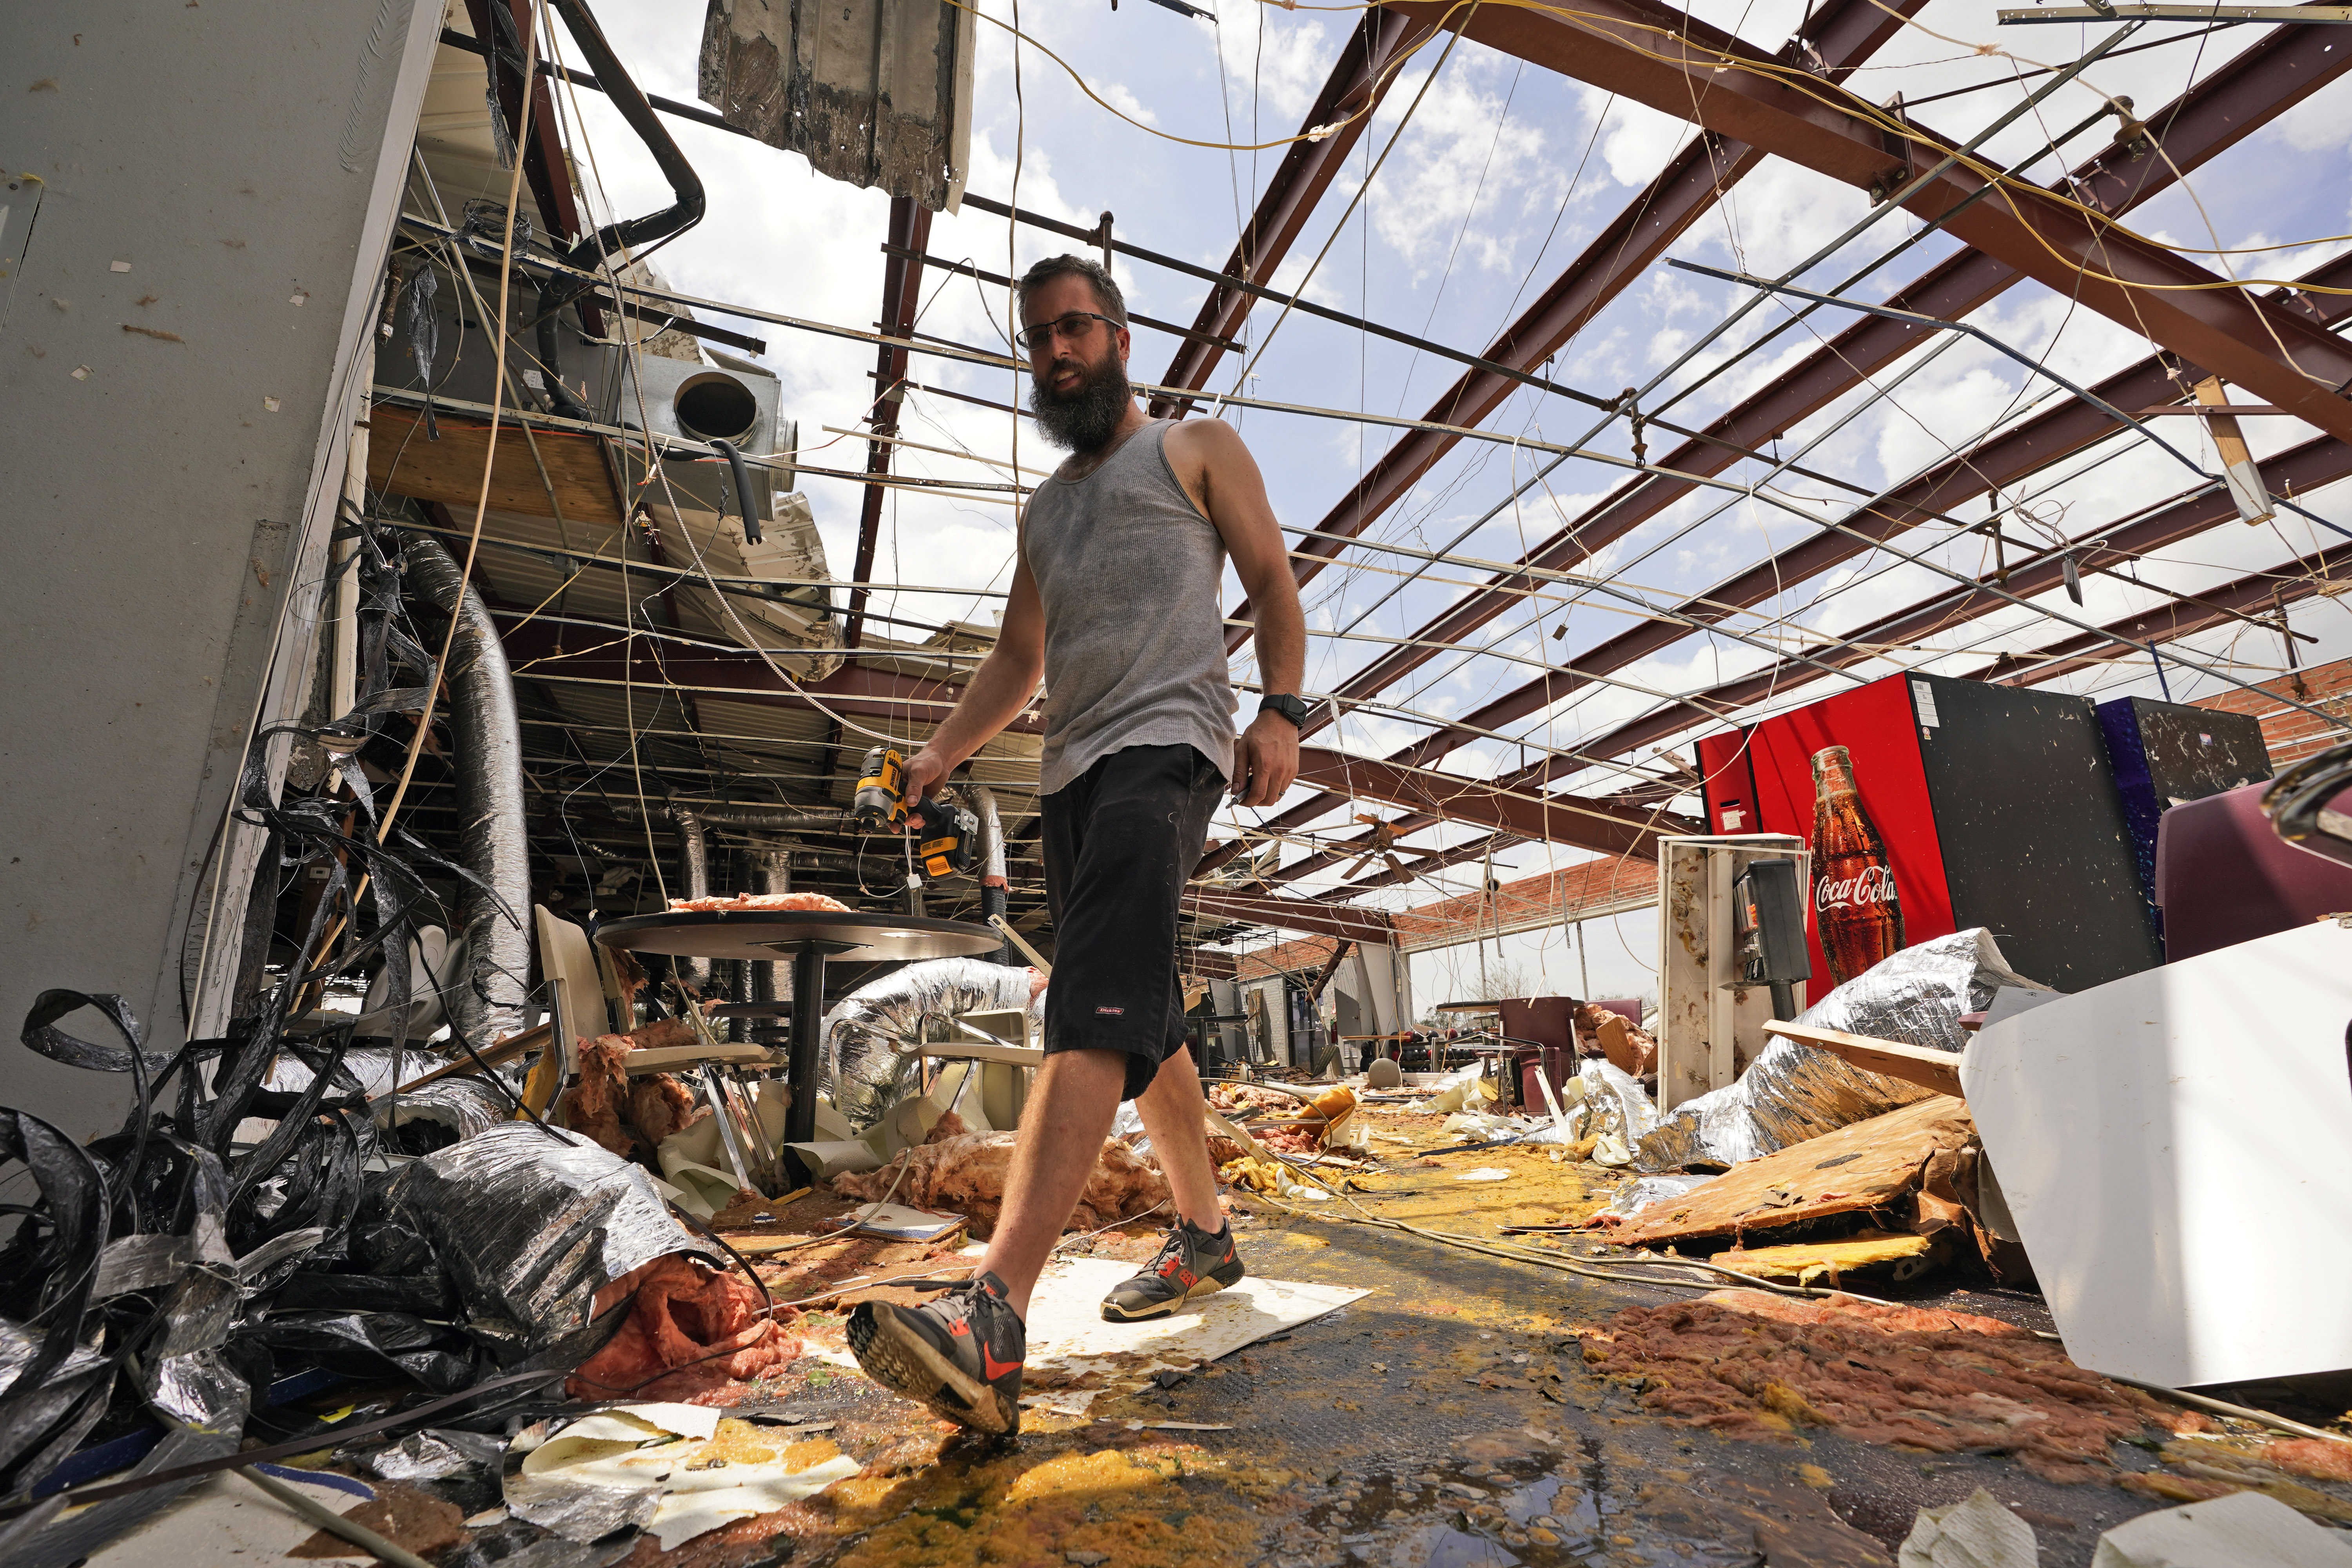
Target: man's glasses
{"x":1072,"y":327}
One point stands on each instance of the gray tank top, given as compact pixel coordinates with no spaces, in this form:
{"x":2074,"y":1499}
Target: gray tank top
{"x":1130,"y":576}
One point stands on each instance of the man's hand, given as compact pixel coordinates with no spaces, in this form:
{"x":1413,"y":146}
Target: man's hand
{"x":925,"y":771}
{"x":1265,"y":758}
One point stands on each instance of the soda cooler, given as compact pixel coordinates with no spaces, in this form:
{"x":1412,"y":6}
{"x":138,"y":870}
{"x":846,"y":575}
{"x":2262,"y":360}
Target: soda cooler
{"x":2168,"y":754}
{"x":1995,"y":806}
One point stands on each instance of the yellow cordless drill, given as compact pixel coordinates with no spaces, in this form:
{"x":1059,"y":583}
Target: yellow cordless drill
{"x":945,"y":833}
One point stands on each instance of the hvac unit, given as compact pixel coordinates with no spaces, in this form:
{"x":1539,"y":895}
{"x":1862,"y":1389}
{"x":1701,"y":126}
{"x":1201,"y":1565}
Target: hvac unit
{"x":733,"y":401}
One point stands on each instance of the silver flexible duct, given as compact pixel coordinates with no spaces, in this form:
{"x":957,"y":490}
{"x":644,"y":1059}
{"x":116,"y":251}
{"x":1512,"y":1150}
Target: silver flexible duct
{"x":695,"y":849}
{"x":774,"y":869}
{"x":492,"y":844}
{"x":863,"y":1068}
{"x":995,"y":891}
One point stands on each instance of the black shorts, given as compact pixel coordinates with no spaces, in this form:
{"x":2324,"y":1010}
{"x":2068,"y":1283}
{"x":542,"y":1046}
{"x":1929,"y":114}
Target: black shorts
{"x":1120,"y":842}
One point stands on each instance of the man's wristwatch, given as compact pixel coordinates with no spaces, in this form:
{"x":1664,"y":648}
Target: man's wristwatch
{"x":1290,"y":707}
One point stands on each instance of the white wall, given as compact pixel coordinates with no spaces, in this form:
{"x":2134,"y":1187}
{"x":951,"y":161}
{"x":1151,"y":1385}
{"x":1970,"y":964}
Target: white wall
{"x":1622,"y":959}
{"x":215,"y":195}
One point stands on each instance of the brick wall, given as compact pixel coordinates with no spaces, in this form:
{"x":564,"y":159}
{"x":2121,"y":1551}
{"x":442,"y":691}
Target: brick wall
{"x":2288,"y":733}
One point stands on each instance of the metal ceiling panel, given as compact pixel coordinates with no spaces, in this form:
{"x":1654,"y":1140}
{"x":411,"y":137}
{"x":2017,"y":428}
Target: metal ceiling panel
{"x":876,"y":93}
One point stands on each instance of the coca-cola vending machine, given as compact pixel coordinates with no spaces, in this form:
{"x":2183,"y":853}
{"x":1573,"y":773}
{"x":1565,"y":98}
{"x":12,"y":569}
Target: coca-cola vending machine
{"x":1933,"y":804}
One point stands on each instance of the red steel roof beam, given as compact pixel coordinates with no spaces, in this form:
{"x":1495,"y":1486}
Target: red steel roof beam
{"x":910,"y":231}
{"x":1596,"y":825}
{"x":1360,"y":78}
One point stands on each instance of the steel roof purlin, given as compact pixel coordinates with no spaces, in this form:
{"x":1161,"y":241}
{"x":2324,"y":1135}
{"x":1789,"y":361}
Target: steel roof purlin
{"x":1675,"y":64}
{"x":1360,"y":78}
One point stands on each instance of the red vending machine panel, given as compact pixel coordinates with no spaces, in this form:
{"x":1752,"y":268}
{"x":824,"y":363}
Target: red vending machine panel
{"x":1761,"y":780}
{"x":1997,"y":806}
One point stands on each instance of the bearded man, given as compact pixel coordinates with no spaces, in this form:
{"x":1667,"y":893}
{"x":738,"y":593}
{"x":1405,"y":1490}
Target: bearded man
{"x":1117,"y":603}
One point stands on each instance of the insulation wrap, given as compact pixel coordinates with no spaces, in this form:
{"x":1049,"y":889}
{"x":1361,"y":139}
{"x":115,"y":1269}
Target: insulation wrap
{"x":489,"y":756}
{"x":531,"y":1223}
{"x":1792,"y":1092}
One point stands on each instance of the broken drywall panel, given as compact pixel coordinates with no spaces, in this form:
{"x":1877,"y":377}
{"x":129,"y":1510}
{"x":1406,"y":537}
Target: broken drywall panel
{"x":2171,"y":1147}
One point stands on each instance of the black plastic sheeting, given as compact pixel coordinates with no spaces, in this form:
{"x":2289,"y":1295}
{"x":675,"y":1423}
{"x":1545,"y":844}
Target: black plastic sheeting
{"x":164,"y":1274}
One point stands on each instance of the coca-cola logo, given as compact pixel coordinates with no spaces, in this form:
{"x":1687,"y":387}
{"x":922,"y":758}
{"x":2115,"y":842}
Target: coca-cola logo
{"x":1871,"y":885}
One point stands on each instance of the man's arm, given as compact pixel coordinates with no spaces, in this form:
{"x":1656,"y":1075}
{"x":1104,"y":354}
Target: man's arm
{"x":999,"y":689}
{"x":1233,"y":492}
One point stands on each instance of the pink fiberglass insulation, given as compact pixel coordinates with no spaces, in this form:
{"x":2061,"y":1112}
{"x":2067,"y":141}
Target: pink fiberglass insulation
{"x":1751,"y":1364}
{"x":966,"y":1175}
{"x":692,"y":1337}
{"x":624,"y":1113}
{"x":783,"y":902}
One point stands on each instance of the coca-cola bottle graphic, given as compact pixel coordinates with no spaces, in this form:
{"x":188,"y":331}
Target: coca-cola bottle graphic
{"x":1854,"y":907}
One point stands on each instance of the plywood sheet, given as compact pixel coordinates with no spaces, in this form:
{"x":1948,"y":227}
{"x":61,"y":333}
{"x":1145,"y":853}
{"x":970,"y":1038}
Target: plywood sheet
{"x":400,"y":460}
{"x":1866,"y":1165}
{"x":2172,"y":1146}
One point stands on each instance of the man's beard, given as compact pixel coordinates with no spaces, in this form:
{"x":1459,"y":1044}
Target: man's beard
{"x":1086,"y":420}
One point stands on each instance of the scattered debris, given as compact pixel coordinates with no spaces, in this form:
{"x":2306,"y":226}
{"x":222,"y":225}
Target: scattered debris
{"x":1628,"y":1047}
{"x":674,"y":1470}
{"x":1866,"y":1168}
{"x":1976,"y":1533}
{"x":2244,"y":1530}
{"x":1867,"y":1251}
{"x":693,"y":1334}
{"x":1792,"y":1092}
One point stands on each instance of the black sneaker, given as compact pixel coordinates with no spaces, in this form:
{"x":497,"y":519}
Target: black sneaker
{"x":961,"y":1354}
{"x":1192,"y":1262}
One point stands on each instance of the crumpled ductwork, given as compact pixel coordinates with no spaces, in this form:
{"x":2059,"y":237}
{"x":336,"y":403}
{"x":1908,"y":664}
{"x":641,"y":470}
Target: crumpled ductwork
{"x":490,"y":1006}
{"x":995,"y":891}
{"x":862,"y":1066}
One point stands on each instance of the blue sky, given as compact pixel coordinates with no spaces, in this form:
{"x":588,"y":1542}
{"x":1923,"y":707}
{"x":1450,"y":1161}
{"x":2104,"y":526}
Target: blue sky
{"x":1502,"y":175}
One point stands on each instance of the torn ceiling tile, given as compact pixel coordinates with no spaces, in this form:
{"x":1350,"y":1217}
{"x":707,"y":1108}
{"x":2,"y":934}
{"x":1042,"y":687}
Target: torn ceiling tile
{"x":872,"y":92}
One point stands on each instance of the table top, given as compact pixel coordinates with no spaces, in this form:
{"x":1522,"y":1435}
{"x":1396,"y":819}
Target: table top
{"x":1469,"y":1008}
{"x":772,"y":933}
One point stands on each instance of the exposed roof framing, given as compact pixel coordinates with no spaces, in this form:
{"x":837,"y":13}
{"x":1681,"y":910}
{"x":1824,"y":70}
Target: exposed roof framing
{"x":1662,"y":58}
{"x":854,"y":688}
{"x":1606,"y":827}
{"x":2257,"y":591}
{"x":2272,"y":76}
{"x":2277,"y":72}
{"x":902,"y":274}
{"x":1289,"y":914}
{"x":1845,"y":34}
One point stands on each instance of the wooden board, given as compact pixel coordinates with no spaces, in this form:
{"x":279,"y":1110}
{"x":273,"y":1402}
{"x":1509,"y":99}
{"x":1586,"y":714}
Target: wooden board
{"x":1851,"y":1170}
{"x":1851,"y":1255}
{"x":679,"y":1058}
{"x":402,"y":461}
{"x":505,"y":1050}
{"x":1938,"y":1070}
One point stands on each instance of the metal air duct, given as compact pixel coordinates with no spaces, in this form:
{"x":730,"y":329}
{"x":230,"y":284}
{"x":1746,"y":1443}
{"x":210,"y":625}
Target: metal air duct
{"x":492,"y":843}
